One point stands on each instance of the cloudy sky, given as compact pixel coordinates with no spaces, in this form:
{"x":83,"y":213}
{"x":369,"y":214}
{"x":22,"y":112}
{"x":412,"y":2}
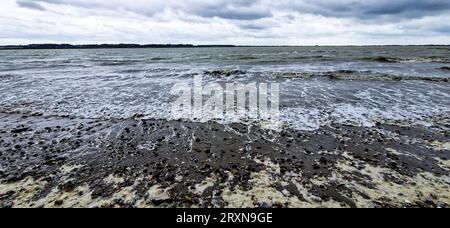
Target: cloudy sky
{"x":241,"y":22}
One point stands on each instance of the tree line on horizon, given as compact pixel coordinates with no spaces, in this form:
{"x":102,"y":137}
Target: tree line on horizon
{"x":96,"y":46}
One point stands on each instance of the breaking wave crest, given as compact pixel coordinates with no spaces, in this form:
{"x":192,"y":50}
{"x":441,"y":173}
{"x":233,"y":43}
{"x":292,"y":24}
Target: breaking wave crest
{"x":391,"y":59}
{"x":357,"y":75}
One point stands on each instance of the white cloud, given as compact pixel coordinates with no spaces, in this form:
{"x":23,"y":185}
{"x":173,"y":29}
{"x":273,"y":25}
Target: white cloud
{"x":245,"y":22}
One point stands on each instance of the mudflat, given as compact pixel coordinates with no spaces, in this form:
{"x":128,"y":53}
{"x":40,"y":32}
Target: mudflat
{"x":54,"y":161}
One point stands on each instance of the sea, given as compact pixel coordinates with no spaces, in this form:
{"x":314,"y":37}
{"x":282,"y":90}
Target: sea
{"x":319,"y":86}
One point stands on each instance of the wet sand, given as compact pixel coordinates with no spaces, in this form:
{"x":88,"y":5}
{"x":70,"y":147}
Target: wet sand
{"x":50,"y":161}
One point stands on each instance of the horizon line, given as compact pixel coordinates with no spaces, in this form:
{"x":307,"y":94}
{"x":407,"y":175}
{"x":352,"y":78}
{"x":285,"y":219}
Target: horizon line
{"x":179,"y":45}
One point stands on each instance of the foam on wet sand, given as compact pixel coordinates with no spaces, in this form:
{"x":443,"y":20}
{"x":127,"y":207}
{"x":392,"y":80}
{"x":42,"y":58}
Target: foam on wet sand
{"x":246,"y":166}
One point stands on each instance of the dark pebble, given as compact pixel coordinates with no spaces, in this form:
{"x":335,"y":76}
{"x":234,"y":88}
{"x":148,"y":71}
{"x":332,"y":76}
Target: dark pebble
{"x":59,"y":202}
{"x":20,"y":130}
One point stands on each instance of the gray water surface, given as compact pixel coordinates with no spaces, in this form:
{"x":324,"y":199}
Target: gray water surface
{"x":319,"y":85}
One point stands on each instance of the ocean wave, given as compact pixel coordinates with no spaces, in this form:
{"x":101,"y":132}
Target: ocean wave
{"x":330,"y":75}
{"x":8,"y":76}
{"x":391,"y":59}
{"x":247,"y":58}
{"x":382,"y":59}
{"x":368,"y":76}
{"x":43,"y":66}
{"x":130,"y":71}
{"x":433,"y":59}
{"x":357,"y":75}
{"x":160,"y":59}
{"x":442,"y":48}
{"x":314,"y":57}
{"x":293,"y":74}
{"x":115,"y":62}
{"x":224,"y":73}
{"x":298,"y":118}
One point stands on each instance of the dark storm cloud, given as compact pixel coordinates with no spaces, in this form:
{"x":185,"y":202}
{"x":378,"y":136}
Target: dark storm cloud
{"x":225,"y":9}
{"x":234,"y":14}
{"x":30,"y":5}
{"x":232,"y":9}
{"x":258,"y":9}
{"x":369,"y":9}
{"x":414,"y":8}
{"x":252,"y":26}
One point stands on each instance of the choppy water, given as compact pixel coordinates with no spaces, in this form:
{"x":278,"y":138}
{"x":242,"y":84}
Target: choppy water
{"x":319,"y":85}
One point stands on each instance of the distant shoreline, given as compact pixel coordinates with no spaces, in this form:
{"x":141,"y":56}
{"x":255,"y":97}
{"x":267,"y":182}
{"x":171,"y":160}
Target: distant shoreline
{"x":139,"y":46}
{"x":103,"y":46}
